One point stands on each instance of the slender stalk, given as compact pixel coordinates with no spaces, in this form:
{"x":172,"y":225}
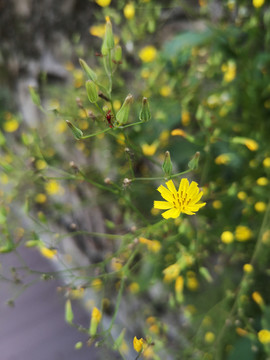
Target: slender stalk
{"x":162,"y":177}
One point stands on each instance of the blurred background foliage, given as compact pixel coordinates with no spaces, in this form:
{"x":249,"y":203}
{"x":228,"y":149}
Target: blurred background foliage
{"x":194,"y":287}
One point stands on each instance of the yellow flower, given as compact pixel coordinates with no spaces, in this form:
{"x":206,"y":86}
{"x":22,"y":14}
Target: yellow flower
{"x":40,"y":198}
{"x":97,"y":30}
{"x":243,"y":233}
{"x":116,"y":105}
{"x":248,"y":268}
{"x":178,"y":132}
{"x":165,"y":91}
{"x":184,"y":200}
{"x":11,"y":125}
{"x":52,"y":187}
{"x":257,"y":297}
{"x":241,"y":332}
{"x":48,"y":253}
{"x":266,"y":162}
{"x":227,"y":237}
{"x":242,"y":195}
{"x":103,"y":3}
{"x":148,"y":53}
{"x":171,"y":272}
{"x":217,"y":204}
{"x":258,"y":3}
{"x":179,"y":284}
{"x":138,"y":344}
{"x":129,"y":11}
{"x":76,"y":293}
{"x":96,"y":315}
{"x":229,"y":70}
{"x":149,"y":150}
{"x":134,"y":288}
{"x":41,"y":164}
{"x":252,"y":145}
{"x":260,"y":206}
{"x":152,"y":245}
{"x":192,"y":283}
{"x":185,"y":117}
{"x":262,"y":181}
{"x":222,"y":159}
{"x":209,"y":337}
{"x":264,"y":336}
{"x":96,"y":284}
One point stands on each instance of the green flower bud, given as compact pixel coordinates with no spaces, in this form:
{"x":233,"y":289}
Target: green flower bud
{"x":167,"y":165}
{"x":118,"y":53}
{"x":123,"y":113}
{"x":34,"y":95}
{"x":108,"y":41}
{"x":194,"y":162}
{"x":91,"y":90}
{"x":145,"y":114}
{"x":68,"y":312}
{"x":75,"y":131}
{"x":89,"y":72}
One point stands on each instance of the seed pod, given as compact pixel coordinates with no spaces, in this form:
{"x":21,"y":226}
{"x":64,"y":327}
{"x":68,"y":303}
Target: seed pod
{"x":145,"y":114}
{"x":91,"y":90}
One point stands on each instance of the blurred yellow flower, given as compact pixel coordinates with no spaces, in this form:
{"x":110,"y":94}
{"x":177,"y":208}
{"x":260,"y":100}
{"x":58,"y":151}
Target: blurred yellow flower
{"x":260,"y":206}
{"x":178,"y":132}
{"x":248,"y":268}
{"x":53,"y":187}
{"x":222,"y":159}
{"x":76,"y":293}
{"x":165,"y":91}
{"x":129,"y":11}
{"x":241,"y":332}
{"x":103,"y":3}
{"x":96,"y":284}
{"x":96,"y":315}
{"x":257,"y":297}
{"x":138,"y":344}
{"x":41,"y":164}
{"x":152,"y":245}
{"x":97,"y":30}
{"x":171,"y":272}
{"x":185,"y":200}
{"x":134,"y":288}
{"x":252,"y":145}
{"x":116,"y":105}
{"x":209,"y":337}
{"x":229,"y":70}
{"x":242,"y":195}
{"x":262,"y":181}
{"x":179,"y":284}
{"x":266,"y":162}
{"x":145,"y":73}
{"x":48,"y":253}
{"x":192,"y":283}
{"x":149,"y":150}
{"x":148,"y":53}
{"x":217,"y":204}
{"x":227,"y":237}
{"x":243,"y":233}
{"x":11,"y":125}
{"x":185,"y":117}
{"x":40,"y":198}
{"x":258,"y":3}
{"x":264,"y":336}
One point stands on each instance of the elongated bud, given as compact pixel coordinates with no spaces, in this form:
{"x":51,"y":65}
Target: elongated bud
{"x":68,"y":312}
{"x":95,"y":320}
{"x":206,"y":274}
{"x":34,"y":95}
{"x":108,"y":41}
{"x":32,"y":243}
{"x":145,"y":114}
{"x":118,"y":53}
{"x":118,"y":342}
{"x":91,"y":90}
{"x":89,"y":72}
{"x":75,"y":131}
{"x":194,"y":162}
{"x":123,"y":113}
{"x":167,"y":165}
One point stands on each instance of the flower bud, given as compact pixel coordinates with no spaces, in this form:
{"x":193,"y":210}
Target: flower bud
{"x":167,"y":165}
{"x":108,"y":41}
{"x":91,"y":90}
{"x":123,"y":113}
{"x":89,"y":72}
{"x":145,"y":114}
{"x":34,"y":95}
{"x":68,"y":312}
{"x":75,"y":131}
{"x":95,"y":320}
{"x":118,"y":53}
{"x":138,"y":344}
{"x":194,"y":162}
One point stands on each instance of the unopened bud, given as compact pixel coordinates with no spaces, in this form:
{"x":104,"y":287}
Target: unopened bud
{"x":95,"y":320}
{"x":118,"y":53}
{"x":91,"y":90}
{"x":89,"y":72}
{"x":145,"y":114}
{"x":75,"y":131}
{"x":108,"y":41}
{"x":167,"y":164}
{"x":194,"y":162}
{"x":123,"y":113}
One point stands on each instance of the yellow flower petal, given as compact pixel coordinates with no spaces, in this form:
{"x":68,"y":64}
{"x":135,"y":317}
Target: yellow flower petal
{"x":162,"y":205}
{"x":172,"y":213}
{"x":171,"y":187}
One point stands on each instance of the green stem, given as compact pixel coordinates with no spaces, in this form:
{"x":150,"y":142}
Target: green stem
{"x":97,"y":133}
{"x":162,"y":177}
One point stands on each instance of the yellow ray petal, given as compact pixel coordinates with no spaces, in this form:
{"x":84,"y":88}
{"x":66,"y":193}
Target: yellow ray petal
{"x":165,"y":193}
{"x":172,"y":213}
{"x":171,"y":186}
{"x":193,"y":189}
{"x":162,"y":205}
{"x":183,"y":186}
{"x":196,"y":198}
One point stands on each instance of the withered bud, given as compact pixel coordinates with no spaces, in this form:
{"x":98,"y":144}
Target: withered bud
{"x":79,"y":103}
{"x":91,"y":114}
{"x":127,"y":182}
{"x":73,"y":165}
{"x":73,"y":227}
{"x":102,"y":96}
{"x":107,"y":181}
{"x":133,"y":228}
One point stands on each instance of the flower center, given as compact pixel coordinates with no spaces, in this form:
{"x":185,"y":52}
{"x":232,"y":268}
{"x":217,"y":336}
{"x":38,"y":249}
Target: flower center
{"x":181,"y":201}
